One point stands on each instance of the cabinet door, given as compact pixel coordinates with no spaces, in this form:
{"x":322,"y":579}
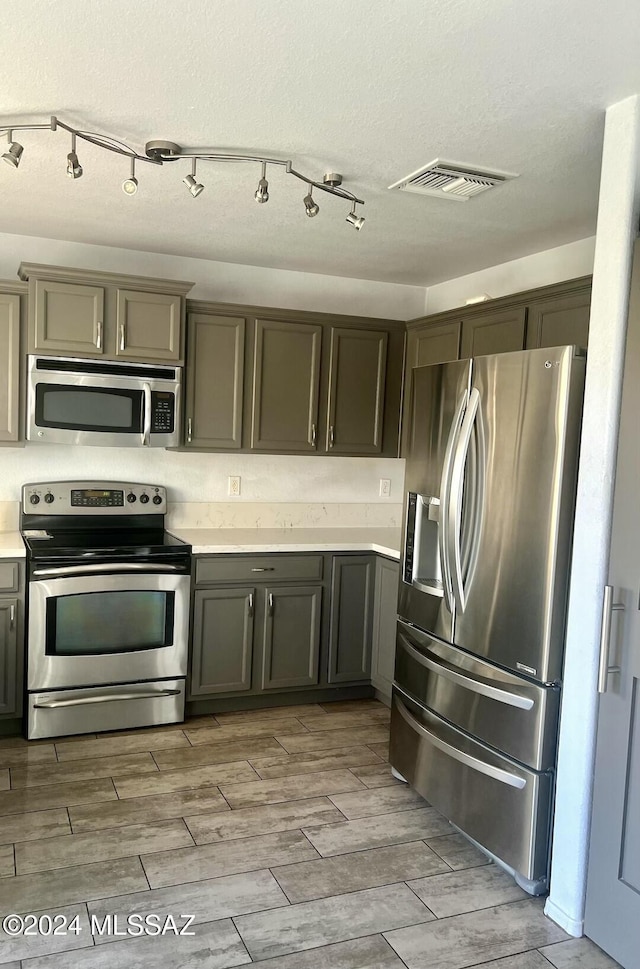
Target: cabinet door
{"x":148,"y":325}
{"x":350,"y":628}
{"x":560,"y":321}
{"x":285,"y":386}
{"x":357,"y":371}
{"x":291,"y":644}
{"x":215,"y":377}
{"x":68,"y":317}
{"x":426,"y":345}
{"x":222,"y":641}
{"x":9,"y":366}
{"x":385,"y":614}
{"x":8,"y":656}
{"x":498,"y":332}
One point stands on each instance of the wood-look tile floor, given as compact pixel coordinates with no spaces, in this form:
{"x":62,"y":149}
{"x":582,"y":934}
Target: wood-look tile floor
{"x":283,"y":834}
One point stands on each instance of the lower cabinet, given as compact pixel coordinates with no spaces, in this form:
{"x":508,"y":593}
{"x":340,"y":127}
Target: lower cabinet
{"x":385,"y":613}
{"x":270,"y":623}
{"x":9,"y":698}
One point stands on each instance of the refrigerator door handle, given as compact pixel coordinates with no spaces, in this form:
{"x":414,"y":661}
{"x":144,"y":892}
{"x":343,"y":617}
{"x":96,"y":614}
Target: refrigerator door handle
{"x":454,"y":510}
{"x":445,"y":490}
{"x":505,"y":777}
{"x":447,"y":670}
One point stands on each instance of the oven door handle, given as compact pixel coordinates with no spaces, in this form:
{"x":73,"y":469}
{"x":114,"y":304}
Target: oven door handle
{"x":146,"y":431}
{"x":104,"y":698}
{"x":118,"y":567}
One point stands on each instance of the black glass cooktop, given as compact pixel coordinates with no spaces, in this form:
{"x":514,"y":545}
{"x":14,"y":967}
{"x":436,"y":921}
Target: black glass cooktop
{"x":81,"y":544}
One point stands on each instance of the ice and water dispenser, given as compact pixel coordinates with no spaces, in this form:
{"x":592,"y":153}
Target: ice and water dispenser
{"x":421,"y":567}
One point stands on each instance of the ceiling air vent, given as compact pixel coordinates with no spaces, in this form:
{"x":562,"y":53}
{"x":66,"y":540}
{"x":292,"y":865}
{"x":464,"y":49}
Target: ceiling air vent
{"x":450,"y":180}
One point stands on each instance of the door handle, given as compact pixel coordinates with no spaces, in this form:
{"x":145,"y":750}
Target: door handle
{"x":189,"y":431}
{"x":314,"y":432}
{"x":104,"y":698}
{"x":445,"y":485}
{"x":454,"y":510}
{"x":608,"y":608}
{"x":123,"y":337}
{"x":251,"y":604}
{"x":99,"y":335}
{"x":269,"y":568}
{"x":271,"y":603}
{"x":120,"y":568}
{"x":331,"y":436}
{"x":12,"y":616}
{"x":146,"y":430}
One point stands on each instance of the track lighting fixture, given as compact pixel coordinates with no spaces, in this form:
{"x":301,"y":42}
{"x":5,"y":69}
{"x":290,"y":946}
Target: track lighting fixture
{"x":192,"y":184}
{"x":357,"y":221}
{"x":262,"y":191}
{"x":311,"y":207}
{"x":14,"y":152}
{"x":130,"y":185}
{"x":74,"y":168}
{"x":160,"y":152}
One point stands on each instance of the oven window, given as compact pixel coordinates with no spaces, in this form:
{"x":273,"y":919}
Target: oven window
{"x":91,"y":623}
{"x":89,"y":408}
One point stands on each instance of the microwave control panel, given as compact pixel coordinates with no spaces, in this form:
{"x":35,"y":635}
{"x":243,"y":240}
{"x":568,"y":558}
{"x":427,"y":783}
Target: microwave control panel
{"x":162,"y":412}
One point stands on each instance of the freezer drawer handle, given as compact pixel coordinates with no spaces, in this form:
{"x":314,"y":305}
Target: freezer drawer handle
{"x":442,"y":668}
{"x":105,"y":698}
{"x":473,"y":762}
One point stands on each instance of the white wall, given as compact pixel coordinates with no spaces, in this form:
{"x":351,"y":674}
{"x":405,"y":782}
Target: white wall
{"x":618,"y":210}
{"x":540,"y":269}
{"x":222,"y":281}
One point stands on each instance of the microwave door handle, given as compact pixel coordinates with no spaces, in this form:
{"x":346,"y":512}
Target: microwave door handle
{"x":146,"y":430}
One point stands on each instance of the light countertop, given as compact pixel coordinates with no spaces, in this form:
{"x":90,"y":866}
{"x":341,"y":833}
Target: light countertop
{"x":385,"y":541}
{"x":11,"y":546}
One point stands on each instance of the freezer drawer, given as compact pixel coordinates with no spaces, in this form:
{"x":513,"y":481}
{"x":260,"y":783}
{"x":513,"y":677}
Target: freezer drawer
{"x":501,"y":709}
{"x":503,"y":806}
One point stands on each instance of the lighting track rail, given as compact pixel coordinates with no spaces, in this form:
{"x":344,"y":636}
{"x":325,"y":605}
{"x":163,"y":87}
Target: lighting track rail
{"x":165,"y":152}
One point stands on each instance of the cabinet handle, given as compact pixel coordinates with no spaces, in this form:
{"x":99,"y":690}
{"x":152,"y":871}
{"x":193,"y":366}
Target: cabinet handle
{"x":608,"y":608}
{"x":331,"y":436}
{"x":313,"y":435}
{"x":99,"y":335}
{"x":269,"y":568}
{"x":251,"y":604}
{"x":123,"y":340}
{"x":271,"y":603}
{"x":12,"y":616}
{"x":189,"y":431}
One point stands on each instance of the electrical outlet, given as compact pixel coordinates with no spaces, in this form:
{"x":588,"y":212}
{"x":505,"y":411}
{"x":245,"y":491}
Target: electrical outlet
{"x":233,"y":487}
{"x":385,"y":487}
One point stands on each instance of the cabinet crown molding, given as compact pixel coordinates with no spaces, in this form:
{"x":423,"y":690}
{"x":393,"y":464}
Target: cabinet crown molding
{"x":177,"y":287}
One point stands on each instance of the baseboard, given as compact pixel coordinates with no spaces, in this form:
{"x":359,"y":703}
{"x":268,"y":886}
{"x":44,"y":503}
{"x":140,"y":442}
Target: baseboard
{"x":574,"y":927}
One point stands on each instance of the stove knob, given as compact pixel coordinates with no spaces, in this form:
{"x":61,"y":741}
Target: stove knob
{"x":34,"y":499}
{"x":157,"y":500}
{"x":48,"y":497}
{"x":144,"y":499}
{"x":131,"y":497}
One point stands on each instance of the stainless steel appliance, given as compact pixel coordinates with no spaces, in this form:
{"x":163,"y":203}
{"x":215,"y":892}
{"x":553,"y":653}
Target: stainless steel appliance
{"x":103,"y":403}
{"x":107,"y":609}
{"x":491,"y":475}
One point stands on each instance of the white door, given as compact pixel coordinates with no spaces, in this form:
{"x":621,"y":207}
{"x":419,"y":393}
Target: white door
{"x":612,"y":917}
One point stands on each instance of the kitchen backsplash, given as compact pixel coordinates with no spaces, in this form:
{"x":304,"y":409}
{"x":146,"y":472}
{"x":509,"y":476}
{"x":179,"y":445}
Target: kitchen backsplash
{"x":275,"y":490}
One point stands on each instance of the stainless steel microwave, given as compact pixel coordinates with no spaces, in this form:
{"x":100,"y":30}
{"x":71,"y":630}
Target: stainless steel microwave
{"x":103,"y":403}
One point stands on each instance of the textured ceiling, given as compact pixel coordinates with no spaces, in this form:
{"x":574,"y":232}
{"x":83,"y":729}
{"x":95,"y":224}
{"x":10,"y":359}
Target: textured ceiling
{"x":368,"y":88}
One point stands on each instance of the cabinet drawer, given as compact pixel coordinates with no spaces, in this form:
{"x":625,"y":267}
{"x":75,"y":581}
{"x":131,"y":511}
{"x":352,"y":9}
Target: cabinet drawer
{"x":9,"y":576}
{"x":254,"y":568}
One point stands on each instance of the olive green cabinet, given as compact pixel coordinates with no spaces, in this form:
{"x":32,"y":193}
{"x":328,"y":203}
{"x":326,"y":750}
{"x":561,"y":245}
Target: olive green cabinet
{"x":357,"y":372}
{"x":286,"y":383}
{"x":291,"y":636}
{"x":68,"y":318}
{"x":385,"y":613}
{"x":559,"y":321}
{"x":87,"y":313}
{"x":222,"y":641}
{"x":9,"y":367}
{"x":498,"y":331}
{"x":214,"y":381}
{"x":350,"y":628}
{"x":11,"y":638}
{"x":427,"y":344}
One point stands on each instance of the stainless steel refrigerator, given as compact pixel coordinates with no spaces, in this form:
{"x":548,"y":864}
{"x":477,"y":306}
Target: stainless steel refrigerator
{"x":491,"y":475}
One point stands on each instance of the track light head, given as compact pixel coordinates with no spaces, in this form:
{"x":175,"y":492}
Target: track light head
{"x":262,"y":191}
{"x":14,"y":152}
{"x":311,"y":208}
{"x":357,"y":221}
{"x":130,"y":185}
{"x":194,"y":186}
{"x":74,"y":168}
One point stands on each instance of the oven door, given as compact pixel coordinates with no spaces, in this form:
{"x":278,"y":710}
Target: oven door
{"x":107,"y":624}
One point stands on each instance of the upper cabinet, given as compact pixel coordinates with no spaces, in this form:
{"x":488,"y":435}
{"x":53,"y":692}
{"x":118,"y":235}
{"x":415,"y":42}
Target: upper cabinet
{"x":559,"y":320}
{"x":495,"y":332}
{"x":81,"y":313}
{"x":286,"y":377}
{"x":302,"y":383}
{"x":9,"y":366}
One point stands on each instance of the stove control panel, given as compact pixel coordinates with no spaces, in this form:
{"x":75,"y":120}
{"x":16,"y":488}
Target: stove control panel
{"x":93,"y":498}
